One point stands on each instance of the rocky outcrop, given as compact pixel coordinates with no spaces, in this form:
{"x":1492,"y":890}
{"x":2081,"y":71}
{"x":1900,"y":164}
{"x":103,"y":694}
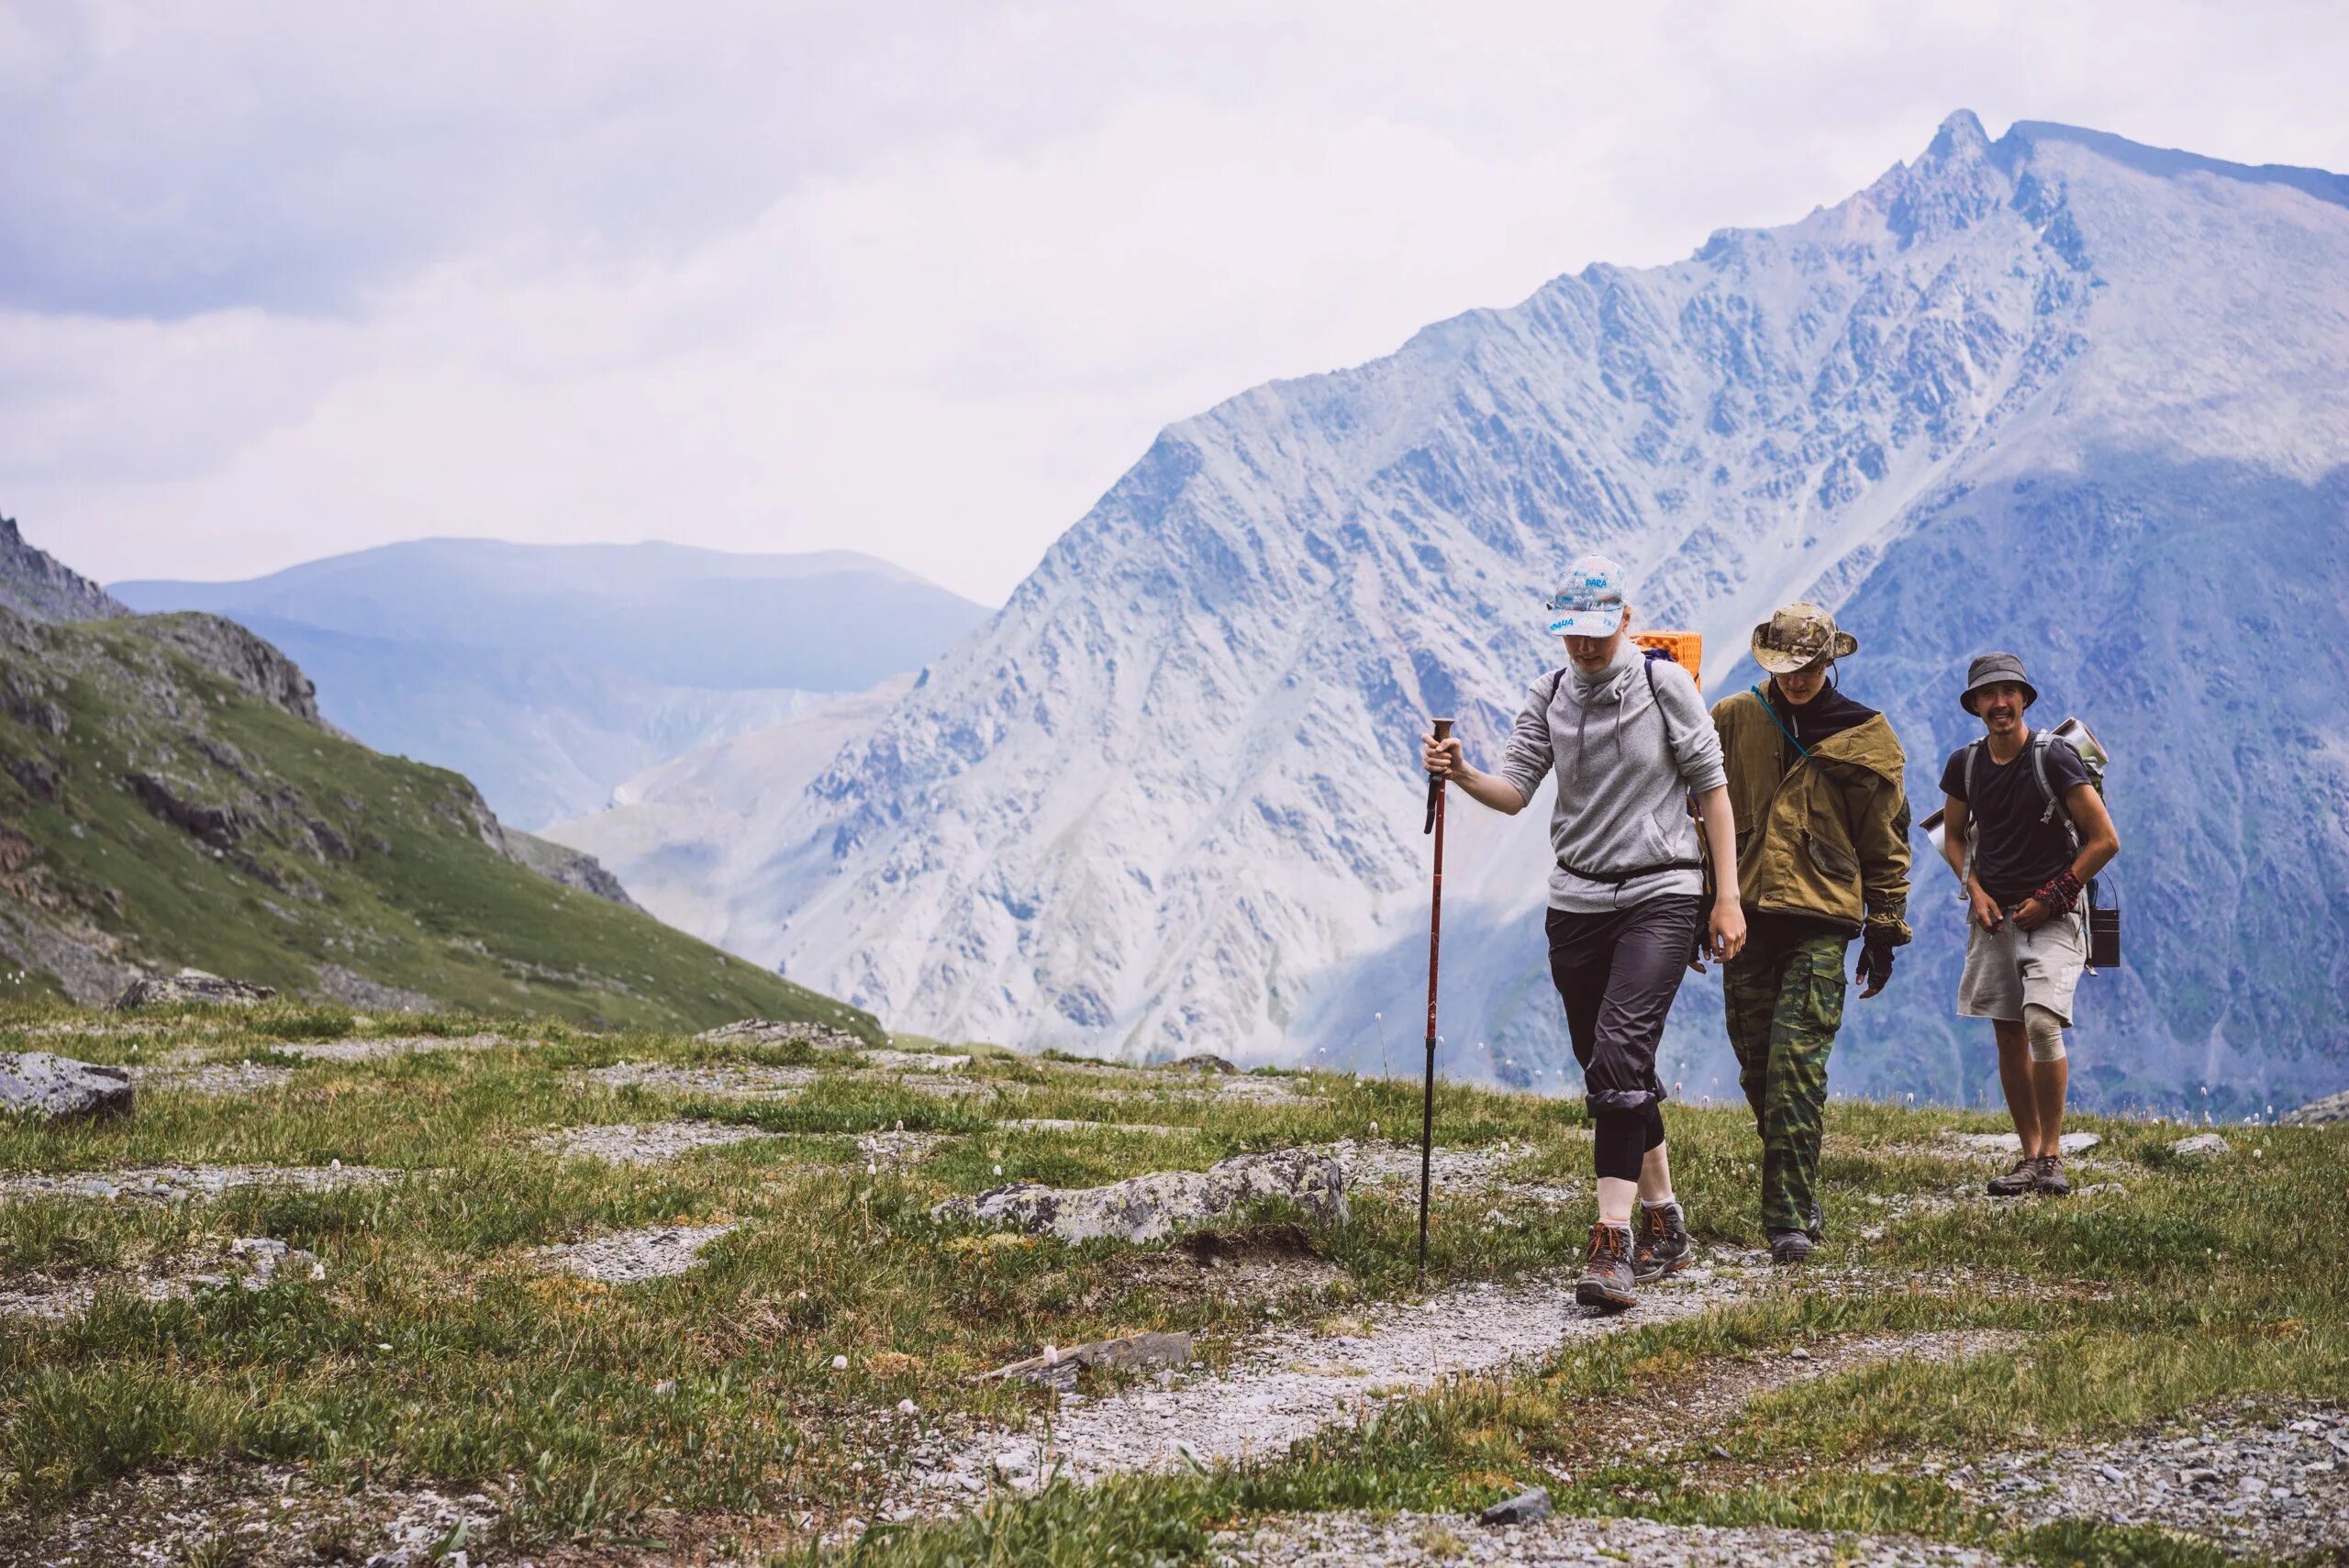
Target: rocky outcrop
{"x":57,"y":1088}
{"x":38,"y":584}
{"x":2316,"y":1113}
{"x":236,"y":655}
{"x":2202,"y":1146}
{"x":765,"y":1031}
{"x":573,"y":868}
{"x":190,"y":986}
{"x":1128,"y":1352}
{"x":1146,"y":1209}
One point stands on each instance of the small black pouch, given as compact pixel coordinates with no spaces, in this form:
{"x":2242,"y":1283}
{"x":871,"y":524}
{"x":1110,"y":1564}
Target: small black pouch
{"x":2104,"y":928}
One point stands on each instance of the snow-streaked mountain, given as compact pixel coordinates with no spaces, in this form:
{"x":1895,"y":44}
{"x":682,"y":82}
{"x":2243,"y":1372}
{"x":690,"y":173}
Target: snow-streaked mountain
{"x":2060,"y":394}
{"x":550,"y":673}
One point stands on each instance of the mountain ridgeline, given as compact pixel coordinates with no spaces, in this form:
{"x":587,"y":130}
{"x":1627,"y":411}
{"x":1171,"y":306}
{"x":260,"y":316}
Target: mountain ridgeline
{"x":2056,"y":392}
{"x":170,"y":797}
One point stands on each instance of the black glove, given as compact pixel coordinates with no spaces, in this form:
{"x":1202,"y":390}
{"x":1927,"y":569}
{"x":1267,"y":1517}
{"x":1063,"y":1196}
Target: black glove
{"x":1875,"y":961}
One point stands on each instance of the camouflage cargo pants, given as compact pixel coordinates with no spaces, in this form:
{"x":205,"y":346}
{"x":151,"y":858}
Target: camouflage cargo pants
{"x":1785,"y":1002}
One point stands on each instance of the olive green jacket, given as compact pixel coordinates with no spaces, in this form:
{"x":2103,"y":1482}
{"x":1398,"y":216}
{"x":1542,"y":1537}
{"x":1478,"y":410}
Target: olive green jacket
{"x":1828,"y":837}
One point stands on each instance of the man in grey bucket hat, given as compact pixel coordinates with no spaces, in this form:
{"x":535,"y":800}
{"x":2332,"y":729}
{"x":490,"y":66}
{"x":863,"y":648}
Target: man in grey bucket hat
{"x":2024,"y":830}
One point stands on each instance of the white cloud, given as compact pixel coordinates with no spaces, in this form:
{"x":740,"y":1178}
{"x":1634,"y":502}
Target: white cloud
{"x":917,"y":282}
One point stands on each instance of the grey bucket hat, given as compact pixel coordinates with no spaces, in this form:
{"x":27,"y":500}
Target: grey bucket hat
{"x":1993,"y":670}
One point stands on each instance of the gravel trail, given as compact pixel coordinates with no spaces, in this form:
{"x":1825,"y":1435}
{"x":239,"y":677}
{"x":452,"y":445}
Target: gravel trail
{"x":2277,"y":1486}
{"x":178,"y":1184}
{"x":1426,"y":1540}
{"x":1294,"y":1383}
{"x":627,"y":1143}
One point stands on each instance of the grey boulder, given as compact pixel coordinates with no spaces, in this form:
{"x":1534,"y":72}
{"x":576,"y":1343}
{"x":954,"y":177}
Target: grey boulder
{"x":1529,"y":1506}
{"x":1145,"y":1208}
{"x":57,"y":1088}
{"x":2317,"y":1113}
{"x":2202,"y":1146}
{"x":189,"y":986}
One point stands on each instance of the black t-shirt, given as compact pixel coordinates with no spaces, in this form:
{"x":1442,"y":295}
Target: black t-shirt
{"x":2015,"y":851}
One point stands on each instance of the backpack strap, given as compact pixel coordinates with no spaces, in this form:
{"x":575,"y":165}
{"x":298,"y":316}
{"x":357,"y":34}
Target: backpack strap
{"x":1972,"y":756}
{"x":2056,"y":810}
{"x":1652,"y":656}
{"x":1789,"y":734}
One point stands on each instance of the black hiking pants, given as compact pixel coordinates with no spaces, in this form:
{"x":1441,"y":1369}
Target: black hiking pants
{"x":1617,"y":972}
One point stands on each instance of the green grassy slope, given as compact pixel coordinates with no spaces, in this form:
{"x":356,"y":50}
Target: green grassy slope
{"x":264,"y":846}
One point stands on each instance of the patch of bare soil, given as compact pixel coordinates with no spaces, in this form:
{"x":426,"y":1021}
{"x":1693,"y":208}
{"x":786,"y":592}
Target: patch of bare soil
{"x":220,"y":1078}
{"x":626,"y":1143}
{"x":180,"y":1184}
{"x":1669,"y":1414}
{"x":256,"y":1517}
{"x":254,"y":1262}
{"x":1427,"y":1541}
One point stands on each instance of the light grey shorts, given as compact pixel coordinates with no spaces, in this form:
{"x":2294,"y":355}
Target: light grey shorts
{"x":2009,"y":968}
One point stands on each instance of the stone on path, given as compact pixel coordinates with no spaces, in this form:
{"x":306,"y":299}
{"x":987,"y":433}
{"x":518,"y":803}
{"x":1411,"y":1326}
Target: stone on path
{"x":627,"y":1256}
{"x":1529,"y":1506}
{"x":2202,"y":1146}
{"x":190,"y":986}
{"x":1147,"y":1208}
{"x":57,"y":1088}
{"x":1132,"y":1352}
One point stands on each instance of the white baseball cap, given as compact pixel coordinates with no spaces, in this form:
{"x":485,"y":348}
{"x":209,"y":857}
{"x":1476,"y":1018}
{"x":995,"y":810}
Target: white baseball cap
{"x":1591,"y":604}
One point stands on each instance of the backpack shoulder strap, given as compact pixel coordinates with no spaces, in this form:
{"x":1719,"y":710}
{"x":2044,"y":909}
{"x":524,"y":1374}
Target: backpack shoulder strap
{"x":2056,"y":810}
{"x":1972,"y":756}
{"x":1652,"y":656}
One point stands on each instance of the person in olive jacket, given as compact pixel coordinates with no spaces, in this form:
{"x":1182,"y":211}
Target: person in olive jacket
{"x":1822,"y":856}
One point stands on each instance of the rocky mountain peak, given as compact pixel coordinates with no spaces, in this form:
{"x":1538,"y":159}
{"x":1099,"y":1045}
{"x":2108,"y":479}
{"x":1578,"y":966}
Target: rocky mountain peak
{"x":36,"y":584}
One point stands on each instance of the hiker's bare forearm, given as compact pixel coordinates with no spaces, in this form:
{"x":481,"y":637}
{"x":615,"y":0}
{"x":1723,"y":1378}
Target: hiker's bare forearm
{"x":2100,"y":840}
{"x":1488,"y":789}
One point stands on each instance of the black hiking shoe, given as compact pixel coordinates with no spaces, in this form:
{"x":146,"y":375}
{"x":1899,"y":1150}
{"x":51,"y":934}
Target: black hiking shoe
{"x":2017,"y":1182}
{"x":1789,"y":1246}
{"x":1663,"y":1245}
{"x":1607,"y":1274}
{"x":1817,"y":1229}
{"x":2049,"y":1178}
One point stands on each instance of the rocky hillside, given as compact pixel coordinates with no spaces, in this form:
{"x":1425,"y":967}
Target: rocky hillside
{"x":2058,"y":393}
{"x":169,"y":796}
{"x":550,"y":673}
{"x":35,"y":584}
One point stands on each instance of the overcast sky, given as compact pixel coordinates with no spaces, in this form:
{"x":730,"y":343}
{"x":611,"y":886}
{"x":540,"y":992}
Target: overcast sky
{"x":278,"y":280}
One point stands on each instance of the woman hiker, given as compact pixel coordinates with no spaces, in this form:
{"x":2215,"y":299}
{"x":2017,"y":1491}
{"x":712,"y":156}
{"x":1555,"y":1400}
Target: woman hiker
{"x":1822,"y":836}
{"x":1629,"y":740}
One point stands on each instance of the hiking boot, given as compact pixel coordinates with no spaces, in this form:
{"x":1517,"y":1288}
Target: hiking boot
{"x":1606,"y":1272}
{"x":1789,"y":1246}
{"x":2017,"y":1182}
{"x":1817,"y":1229}
{"x":2050,"y":1178}
{"x":1663,"y":1245}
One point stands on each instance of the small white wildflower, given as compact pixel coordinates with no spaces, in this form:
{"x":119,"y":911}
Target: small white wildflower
{"x":318,"y":1271}
{"x":901,"y":1124}
{"x":998,"y":1170}
{"x":840,"y":1363}
{"x":382,"y":1346}
{"x":334,"y":1165}
{"x":666,"y":1386}
{"x":906,"y":1406}
{"x":1051,"y":1355}
{"x":1373,"y":1129}
{"x":873,"y":1167}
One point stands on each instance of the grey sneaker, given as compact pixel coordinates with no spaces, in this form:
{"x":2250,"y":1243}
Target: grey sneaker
{"x":1662,"y":1246}
{"x":2050,"y":1178}
{"x":1607,"y":1274}
{"x":2017,"y":1182}
{"x":1789,"y":1246}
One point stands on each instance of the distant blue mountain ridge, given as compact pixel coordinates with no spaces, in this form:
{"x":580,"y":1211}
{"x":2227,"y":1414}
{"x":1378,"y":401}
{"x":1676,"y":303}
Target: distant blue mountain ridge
{"x":551,"y":674}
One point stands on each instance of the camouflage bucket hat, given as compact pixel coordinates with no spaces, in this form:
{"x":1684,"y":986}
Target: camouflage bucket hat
{"x":1799,"y":635}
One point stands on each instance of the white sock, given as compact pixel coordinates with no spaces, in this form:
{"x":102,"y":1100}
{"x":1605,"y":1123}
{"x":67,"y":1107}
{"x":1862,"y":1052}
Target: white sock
{"x":1667,"y":1201}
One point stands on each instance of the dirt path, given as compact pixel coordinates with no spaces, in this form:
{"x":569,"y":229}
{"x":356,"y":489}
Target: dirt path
{"x":1428,"y":1541}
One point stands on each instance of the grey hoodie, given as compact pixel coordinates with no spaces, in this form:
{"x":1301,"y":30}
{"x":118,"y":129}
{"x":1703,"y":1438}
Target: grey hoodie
{"x":1623,"y":784}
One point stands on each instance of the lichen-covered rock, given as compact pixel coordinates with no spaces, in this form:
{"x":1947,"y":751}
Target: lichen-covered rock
{"x":765,"y":1031}
{"x":1204,"y":1061}
{"x":1145,"y":1208}
{"x":190,"y":986}
{"x":2202,"y":1146}
{"x":57,"y":1088}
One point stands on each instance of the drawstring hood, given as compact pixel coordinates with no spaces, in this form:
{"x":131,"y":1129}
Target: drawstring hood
{"x":1603,"y":688}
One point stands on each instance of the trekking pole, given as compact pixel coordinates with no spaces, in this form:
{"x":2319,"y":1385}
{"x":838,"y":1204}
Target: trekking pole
{"x":1435,"y":942}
